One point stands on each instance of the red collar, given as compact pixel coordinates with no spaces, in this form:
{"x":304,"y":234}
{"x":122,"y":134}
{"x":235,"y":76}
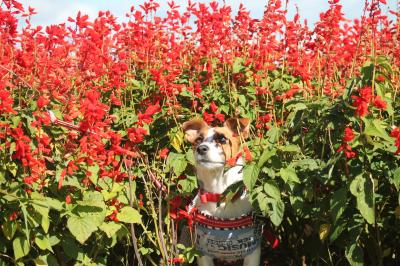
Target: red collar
{"x":208,"y":196}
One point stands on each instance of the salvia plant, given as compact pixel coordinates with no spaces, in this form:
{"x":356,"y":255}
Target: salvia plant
{"x":322,"y":162}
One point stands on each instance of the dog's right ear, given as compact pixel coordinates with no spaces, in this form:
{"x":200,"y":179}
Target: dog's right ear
{"x":192,"y":129}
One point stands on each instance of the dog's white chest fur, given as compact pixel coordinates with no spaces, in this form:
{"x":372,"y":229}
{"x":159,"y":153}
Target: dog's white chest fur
{"x":216,"y":181}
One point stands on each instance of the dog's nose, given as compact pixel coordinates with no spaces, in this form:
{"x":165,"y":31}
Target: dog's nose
{"x":202,"y":149}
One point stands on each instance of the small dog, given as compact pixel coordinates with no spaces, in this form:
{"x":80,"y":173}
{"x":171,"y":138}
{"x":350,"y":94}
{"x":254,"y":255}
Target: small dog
{"x":223,"y":230}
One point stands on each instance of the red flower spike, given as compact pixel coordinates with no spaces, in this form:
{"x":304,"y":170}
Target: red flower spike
{"x":379,"y":103}
{"x":247,"y":154}
{"x":68,"y":199}
{"x":348,"y":135}
{"x":164,"y":153}
{"x":213,"y":107}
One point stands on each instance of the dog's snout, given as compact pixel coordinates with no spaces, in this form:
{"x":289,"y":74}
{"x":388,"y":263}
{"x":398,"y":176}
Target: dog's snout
{"x":202,"y":149}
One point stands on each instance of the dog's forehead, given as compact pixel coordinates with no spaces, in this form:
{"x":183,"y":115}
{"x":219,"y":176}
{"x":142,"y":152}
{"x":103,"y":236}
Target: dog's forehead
{"x":209,"y":134}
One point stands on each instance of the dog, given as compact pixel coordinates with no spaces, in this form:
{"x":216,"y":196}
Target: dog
{"x":223,"y":230}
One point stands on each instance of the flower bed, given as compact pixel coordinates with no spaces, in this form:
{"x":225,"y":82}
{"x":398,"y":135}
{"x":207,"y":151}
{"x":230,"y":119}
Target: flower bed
{"x":321,"y":164}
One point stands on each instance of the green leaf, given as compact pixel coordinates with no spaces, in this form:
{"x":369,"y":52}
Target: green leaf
{"x":250,"y":175}
{"x":273,"y":134}
{"x":176,"y":162}
{"x":396,"y":179}
{"x":355,"y":255}
{"x":9,"y":228}
{"x":94,"y":170}
{"x":70,"y":248}
{"x":232,"y":191}
{"x":289,"y":148}
{"x":110,"y":228}
{"x":188,"y":184}
{"x":237,"y":65}
{"x":21,"y":247}
{"x":176,"y":137}
{"x":129,"y":215}
{"x":276,"y":214}
{"x":337,"y":229}
{"x":272,"y":189}
{"x":45,"y":223}
{"x":265,"y":156}
{"x":81,"y":227}
{"x":242,"y":100}
{"x":54,"y":203}
{"x":97,"y":214}
{"x":338,"y":203}
{"x":289,"y":175}
{"x":362,"y":188}
{"x":376,"y":128}
{"x":43,"y":242}
{"x":42,"y":208}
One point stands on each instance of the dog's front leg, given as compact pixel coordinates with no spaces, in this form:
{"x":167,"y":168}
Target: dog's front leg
{"x":253,"y":259}
{"x":205,"y":261}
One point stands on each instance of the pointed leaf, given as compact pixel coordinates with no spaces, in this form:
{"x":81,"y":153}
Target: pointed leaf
{"x":289,"y":175}
{"x":276,"y":214}
{"x":21,"y":247}
{"x":354,"y":255}
{"x":110,"y":228}
{"x":272,"y":189}
{"x":129,"y":215}
{"x":362,"y":188}
{"x":338,"y":203}
{"x":81,"y":227}
{"x":250,"y":175}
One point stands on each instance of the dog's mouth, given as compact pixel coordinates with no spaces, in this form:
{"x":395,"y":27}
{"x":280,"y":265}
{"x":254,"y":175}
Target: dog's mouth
{"x":205,"y":161}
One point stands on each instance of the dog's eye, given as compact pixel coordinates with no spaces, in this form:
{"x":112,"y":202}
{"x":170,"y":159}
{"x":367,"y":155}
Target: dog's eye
{"x":199,"y":140}
{"x":220,"y":139}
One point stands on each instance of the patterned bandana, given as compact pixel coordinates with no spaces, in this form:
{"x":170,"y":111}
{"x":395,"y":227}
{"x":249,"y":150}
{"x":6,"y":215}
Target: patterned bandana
{"x":233,"y":244}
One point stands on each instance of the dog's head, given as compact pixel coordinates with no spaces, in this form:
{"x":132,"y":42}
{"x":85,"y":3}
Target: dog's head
{"x":213,"y":146}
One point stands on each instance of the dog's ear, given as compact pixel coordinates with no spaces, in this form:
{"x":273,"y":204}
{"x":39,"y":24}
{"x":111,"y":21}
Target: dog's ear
{"x":239,"y":126}
{"x":192,"y":129}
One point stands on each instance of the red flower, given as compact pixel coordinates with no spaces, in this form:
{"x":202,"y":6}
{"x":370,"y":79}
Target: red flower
{"x":220,"y":117}
{"x":42,"y":102}
{"x":208,"y":118}
{"x":13,"y":216}
{"x":361,"y":106}
{"x":349,"y":153}
{"x":176,"y":260}
{"x":396,"y":134}
{"x":362,"y":102}
{"x":6,"y":102}
{"x":232,"y":161}
{"x":348,"y":135}
{"x":379,"y":103}
{"x":366,"y":93}
{"x":213,"y":107}
{"x":247,"y":154}
{"x":136,"y":135}
{"x":68,"y":199}
{"x":147,"y":116}
{"x":164,"y":153}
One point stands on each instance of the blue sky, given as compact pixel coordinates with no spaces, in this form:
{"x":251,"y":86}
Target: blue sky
{"x":57,"y":11}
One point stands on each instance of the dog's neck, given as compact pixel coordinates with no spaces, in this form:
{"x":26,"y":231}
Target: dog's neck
{"x":217,"y":180}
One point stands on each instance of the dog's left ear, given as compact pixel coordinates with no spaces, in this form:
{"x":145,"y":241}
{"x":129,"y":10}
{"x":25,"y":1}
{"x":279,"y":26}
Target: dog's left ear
{"x":239,"y":126}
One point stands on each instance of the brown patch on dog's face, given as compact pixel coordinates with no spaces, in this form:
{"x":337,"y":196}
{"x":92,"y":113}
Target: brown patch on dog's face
{"x":231,"y":146}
